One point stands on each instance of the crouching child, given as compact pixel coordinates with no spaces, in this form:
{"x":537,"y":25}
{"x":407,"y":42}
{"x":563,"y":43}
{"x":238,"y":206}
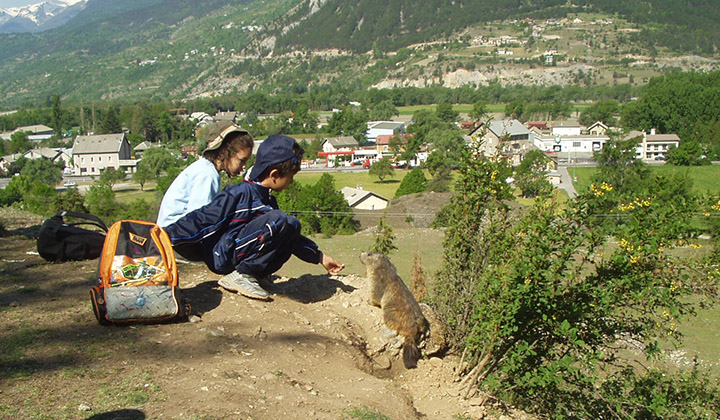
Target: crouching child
{"x":242,"y":234}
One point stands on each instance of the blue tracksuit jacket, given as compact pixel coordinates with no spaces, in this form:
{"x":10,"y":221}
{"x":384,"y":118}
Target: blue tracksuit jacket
{"x":242,"y":229}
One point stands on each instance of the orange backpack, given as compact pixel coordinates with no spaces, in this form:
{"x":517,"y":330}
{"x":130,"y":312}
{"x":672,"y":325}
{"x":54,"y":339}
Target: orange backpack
{"x":137,"y":276}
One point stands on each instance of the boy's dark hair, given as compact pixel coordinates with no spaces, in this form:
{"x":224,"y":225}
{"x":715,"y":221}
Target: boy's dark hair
{"x":290,"y":166}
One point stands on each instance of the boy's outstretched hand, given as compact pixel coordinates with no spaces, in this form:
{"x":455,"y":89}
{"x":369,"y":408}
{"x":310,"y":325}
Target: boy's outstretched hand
{"x":332,"y":265}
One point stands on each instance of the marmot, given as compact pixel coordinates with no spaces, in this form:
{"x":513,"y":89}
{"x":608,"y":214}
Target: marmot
{"x":401,"y":311}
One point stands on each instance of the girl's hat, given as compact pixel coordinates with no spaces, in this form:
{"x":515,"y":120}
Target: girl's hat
{"x":217,"y":132}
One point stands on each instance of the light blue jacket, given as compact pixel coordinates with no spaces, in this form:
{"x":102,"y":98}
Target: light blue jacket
{"x":192,"y":189}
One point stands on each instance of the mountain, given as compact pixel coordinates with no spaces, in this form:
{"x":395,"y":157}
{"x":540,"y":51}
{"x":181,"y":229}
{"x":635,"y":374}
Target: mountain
{"x":40,"y":16}
{"x":138,"y":50}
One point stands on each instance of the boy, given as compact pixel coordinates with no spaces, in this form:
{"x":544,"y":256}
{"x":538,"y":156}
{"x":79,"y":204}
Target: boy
{"x":241,"y":233}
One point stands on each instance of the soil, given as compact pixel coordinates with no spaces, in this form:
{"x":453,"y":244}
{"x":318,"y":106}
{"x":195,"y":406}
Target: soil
{"x":318,"y":350}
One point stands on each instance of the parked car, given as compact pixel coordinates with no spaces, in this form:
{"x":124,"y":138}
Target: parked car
{"x":68,"y":184}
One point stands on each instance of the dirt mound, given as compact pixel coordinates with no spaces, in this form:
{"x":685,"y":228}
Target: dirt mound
{"x":318,"y":350}
{"x":412,"y":210}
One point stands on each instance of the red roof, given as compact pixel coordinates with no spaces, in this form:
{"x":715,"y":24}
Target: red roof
{"x":384,"y":139}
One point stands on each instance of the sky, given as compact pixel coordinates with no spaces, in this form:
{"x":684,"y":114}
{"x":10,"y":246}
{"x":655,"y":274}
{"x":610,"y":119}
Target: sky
{"x":6,"y":4}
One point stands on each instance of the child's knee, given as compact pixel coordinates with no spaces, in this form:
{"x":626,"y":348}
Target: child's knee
{"x":287,"y":225}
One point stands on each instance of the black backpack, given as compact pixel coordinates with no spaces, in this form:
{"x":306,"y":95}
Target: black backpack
{"x":62,"y":241}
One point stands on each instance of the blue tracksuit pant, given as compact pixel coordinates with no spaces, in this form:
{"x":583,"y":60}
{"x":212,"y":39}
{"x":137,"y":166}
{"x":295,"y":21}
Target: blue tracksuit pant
{"x":259,"y":247}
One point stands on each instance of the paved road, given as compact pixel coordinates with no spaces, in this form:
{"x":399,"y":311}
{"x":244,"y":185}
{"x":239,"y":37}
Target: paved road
{"x":566,"y":181}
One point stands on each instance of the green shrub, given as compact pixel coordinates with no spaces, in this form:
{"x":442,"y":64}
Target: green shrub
{"x":414,"y":182}
{"x":540,"y":303}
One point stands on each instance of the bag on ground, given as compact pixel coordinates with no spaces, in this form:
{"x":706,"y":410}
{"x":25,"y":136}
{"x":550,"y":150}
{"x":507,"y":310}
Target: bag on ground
{"x":59,"y":240}
{"x":137,"y":276}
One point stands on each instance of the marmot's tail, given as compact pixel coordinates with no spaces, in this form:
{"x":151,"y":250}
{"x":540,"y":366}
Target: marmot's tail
{"x":411,"y":354}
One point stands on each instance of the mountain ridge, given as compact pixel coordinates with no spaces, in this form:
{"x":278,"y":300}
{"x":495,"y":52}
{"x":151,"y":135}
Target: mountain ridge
{"x":40,"y":16}
{"x":145,"y":49}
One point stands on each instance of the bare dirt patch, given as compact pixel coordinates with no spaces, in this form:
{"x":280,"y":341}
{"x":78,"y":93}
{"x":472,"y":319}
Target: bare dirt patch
{"x":315,"y":351}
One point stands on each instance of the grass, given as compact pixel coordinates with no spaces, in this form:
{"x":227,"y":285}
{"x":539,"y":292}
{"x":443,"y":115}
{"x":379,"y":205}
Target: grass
{"x":356,"y":179}
{"x":705,"y":178}
{"x":364,"y":413}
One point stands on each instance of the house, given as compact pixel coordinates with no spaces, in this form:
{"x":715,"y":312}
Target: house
{"x":573,"y":148}
{"x":516,"y":139}
{"x":566,"y":128}
{"x":141,"y":148}
{"x":339,"y":144}
{"x":53,"y":154}
{"x":540,"y":125}
{"x":378,"y":128}
{"x":189,"y":150}
{"x":93,"y":154}
{"x":201,"y":119}
{"x":384,"y":142}
{"x":35,"y":132}
{"x":597,"y":129}
{"x":7,"y":160}
{"x":360,"y":199}
{"x":226,"y":116}
{"x":653,"y":146}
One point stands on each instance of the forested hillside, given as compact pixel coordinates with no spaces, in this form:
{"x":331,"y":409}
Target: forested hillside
{"x":139,"y":50}
{"x":388,"y":25}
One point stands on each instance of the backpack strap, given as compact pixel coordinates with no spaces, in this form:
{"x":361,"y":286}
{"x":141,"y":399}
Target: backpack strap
{"x":93,"y":220}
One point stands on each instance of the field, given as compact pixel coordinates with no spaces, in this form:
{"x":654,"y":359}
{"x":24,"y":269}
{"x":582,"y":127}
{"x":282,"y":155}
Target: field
{"x":705,"y":178}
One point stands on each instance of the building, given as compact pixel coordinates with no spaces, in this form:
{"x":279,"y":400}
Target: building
{"x":93,"y":154}
{"x":598,"y":129}
{"x":379,"y":128}
{"x":653,"y":146}
{"x":35,"y":132}
{"x":360,"y":199}
{"x":580,"y":147}
{"x":566,"y":128}
{"x":339,"y":144}
{"x":516,"y":139}
{"x":53,"y":154}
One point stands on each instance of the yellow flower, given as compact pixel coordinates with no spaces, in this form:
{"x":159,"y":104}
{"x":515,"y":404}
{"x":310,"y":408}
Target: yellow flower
{"x":696,"y":246}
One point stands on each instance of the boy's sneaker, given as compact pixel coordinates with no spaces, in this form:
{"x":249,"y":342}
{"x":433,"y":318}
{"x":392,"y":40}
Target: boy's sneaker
{"x":245,"y":284}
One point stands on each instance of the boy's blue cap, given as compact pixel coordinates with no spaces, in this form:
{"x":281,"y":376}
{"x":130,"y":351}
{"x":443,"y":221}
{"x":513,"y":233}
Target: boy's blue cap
{"x":275,"y":149}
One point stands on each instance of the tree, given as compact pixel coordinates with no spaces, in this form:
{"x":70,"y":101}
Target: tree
{"x":530,"y":175}
{"x":39,"y":198}
{"x":446,"y":112}
{"x":320,"y":207}
{"x":687,"y":154}
{"x":382,"y":169}
{"x":158,"y":160}
{"x":142,"y":175}
{"x":384,"y":238}
{"x":112,"y":176}
{"x":42,"y":171}
{"x":479,"y":110}
{"x":70,"y":200}
{"x":18,"y":143}
{"x":111,"y":122}
{"x":100,"y":200}
{"x":383,"y":111}
{"x":351,"y":121}
{"x":414,"y":182}
{"x":440,"y":182}
{"x":56,"y":114}
{"x":603,"y":111}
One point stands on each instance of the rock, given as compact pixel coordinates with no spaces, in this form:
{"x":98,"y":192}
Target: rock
{"x":382,"y":362}
{"x":84,"y":407}
{"x":194,"y":319}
